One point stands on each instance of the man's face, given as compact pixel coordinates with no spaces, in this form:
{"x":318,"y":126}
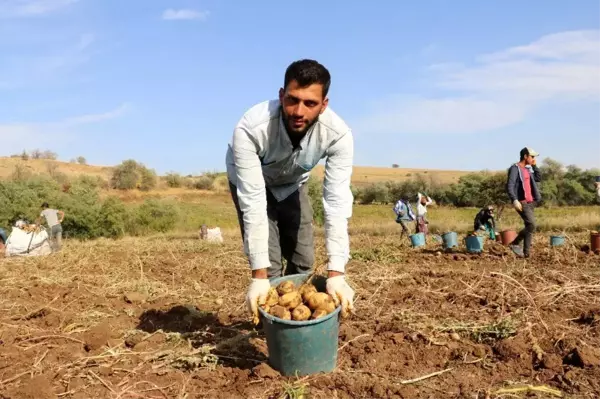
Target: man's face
{"x":530,"y":160}
{"x":301,"y":106}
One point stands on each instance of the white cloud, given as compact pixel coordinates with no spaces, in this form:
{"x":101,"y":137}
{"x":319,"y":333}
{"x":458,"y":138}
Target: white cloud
{"x":13,"y":135}
{"x":28,"y":8}
{"x":93,"y":118}
{"x":499,"y":89}
{"x":184,"y":14}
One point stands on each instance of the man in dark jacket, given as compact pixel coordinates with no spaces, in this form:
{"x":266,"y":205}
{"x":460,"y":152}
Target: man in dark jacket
{"x":524,"y":193}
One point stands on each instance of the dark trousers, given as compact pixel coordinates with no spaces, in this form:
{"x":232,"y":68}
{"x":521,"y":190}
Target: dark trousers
{"x":290,"y":232}
{"x":526,"y":235}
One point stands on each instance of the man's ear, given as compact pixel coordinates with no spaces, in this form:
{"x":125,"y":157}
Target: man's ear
{"x":281,"y":94}
{"x":324,"y":106}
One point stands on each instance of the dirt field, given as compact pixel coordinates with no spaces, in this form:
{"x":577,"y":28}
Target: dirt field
{"x":149,"y":318}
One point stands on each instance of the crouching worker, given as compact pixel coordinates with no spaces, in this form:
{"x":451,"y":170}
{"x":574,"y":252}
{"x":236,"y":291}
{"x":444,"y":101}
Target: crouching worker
{"x":404,"y":213}
{"x":484,"y":221}
{"x":274,"y":147}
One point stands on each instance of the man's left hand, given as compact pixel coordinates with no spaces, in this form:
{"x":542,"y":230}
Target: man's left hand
{"x":341,"y":292}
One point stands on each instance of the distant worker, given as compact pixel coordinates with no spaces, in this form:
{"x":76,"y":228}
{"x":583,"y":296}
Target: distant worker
{"x":597,"y":184}
{"x":275,"y":146}
{"x":523,"y":191}
{"x":54,"y":219}
{"x":422,"y":222}
{"x":484,"y":221}
{"x":404,"y":213}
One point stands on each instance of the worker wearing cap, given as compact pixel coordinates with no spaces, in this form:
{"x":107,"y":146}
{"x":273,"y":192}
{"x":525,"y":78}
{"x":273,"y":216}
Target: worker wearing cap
{"x":484,"y":221}
{"x":524,"y":193}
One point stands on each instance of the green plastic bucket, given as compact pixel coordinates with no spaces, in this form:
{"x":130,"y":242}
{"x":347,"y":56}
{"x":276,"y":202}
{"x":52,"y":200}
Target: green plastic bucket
{"x":450,"y":240}
{"x":417,"y":240}
{"x":557,"y":241}
{"x":302,"y":347}
{"x":474,"y":244}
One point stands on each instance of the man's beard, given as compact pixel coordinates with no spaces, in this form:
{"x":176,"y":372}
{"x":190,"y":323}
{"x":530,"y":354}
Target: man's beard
{"x":288,"y":125}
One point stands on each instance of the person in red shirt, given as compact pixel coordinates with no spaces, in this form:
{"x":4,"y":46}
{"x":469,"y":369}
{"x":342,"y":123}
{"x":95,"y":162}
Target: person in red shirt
{"x":524,"y":193}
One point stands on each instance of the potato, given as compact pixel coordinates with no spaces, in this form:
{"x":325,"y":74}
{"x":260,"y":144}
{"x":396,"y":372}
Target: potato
{"x":301,"y":313}
{"x":318,"y":313}
{"x":306,"y":290}
{"x":281,"y":312}
{"x":285,"y":287}
{"x":272,"y":297}
{"x":328,"y":306}
{"x":290,"y":300}
{"x":319,"y":300}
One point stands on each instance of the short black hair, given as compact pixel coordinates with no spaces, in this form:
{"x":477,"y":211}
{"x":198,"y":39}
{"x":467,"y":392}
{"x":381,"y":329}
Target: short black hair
{"x":45,"y":205}
{"x":524,"y":153}
{"x":307,"y":72}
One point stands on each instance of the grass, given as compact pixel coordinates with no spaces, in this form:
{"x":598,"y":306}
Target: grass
{"x":380,"y":218}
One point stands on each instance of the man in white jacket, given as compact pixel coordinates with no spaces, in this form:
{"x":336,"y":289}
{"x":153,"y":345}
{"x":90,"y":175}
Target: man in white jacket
{"x":275,"y":146}
{"x":422,"y":222}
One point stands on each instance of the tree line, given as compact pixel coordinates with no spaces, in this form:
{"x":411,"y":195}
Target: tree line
{"x":561,"y":185}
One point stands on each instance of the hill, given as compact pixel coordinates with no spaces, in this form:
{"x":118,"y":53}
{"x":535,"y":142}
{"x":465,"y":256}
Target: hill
{"x":47,"y":166}
{"x":363,"y":175}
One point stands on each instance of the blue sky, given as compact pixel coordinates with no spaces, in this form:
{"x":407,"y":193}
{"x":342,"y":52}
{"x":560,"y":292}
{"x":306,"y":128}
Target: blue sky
{"x":434,"y":84}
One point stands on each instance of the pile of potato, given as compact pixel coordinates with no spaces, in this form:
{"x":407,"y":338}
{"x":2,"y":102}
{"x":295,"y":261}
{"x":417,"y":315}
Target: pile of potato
{"x":290,"y":303}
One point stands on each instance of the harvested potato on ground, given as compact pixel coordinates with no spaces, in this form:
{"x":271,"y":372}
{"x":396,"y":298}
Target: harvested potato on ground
{"x":290,"y":300}
{"x":318,"y":313}
{"x":281,"y":312}
{"x":306,"y":290}
{"x":319,"y":300}
{"x":272,"y":297}
{"x":285,"y":287}
{"x":301,"y":313}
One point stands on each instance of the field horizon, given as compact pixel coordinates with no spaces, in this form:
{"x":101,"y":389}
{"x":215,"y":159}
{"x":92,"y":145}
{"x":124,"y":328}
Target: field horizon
{"x":362,"y":175}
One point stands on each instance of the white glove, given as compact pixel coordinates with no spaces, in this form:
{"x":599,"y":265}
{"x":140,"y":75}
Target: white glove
{"x":342,"y":293}
{"x":518,"y":206}
{"x":257,"y":295}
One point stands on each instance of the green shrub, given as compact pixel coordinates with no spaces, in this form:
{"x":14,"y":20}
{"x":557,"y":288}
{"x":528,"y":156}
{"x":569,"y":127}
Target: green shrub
{"x":131,"y":174}
{"x":25,"y":198}
{"x":112,"y":218}
{"x":82,"y":212}
{"x":204,"y":183}
{"x":375,"y":193}
{"x":153,"y":216}
{"x":86,"y":216}
{"x":174,"y":180}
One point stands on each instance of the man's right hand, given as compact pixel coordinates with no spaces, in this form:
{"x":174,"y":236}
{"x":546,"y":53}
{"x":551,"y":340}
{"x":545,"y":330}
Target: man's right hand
{"x":518,"y":206}
{"x":257,"y":295}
